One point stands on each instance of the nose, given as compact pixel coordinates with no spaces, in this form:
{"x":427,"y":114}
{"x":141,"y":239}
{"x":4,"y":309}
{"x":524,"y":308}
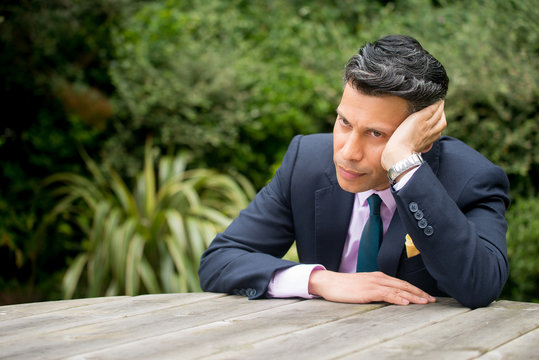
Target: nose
{"x":352,"y":149}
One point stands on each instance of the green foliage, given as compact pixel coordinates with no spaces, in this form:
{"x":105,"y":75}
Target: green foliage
{"x":232,"y":82}
{"x":225,"y":79}
{"x":53,"y":81}
{"x":489,"y":49}
{"x":523,"y":251}
{"x":150,"y":238}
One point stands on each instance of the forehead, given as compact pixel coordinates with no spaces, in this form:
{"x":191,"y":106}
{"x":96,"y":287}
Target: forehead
{"x":386,"y":110}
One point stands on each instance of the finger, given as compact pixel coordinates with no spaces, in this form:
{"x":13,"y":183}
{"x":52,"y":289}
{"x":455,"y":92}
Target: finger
{"x":441,"y":123}
{"x":435,"y":109}
{"x":400,"y":297}
{"x":404,"y":286}
{"x":439,"y":113}
{"x":414,"y":297}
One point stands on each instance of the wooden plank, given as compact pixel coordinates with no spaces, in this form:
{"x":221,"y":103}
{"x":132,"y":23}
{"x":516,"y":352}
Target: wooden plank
{"x":229,"y":327}
{"x":343,"y":336}
{"x":122,"y":327}
{"x":234,"y":332}
{"x":523,"y":347}
{"x":106,"y":309}
{"x":8,"y":312}
{"x":465,"y":336}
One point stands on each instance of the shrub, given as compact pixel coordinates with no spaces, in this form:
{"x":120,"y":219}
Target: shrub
{"x":54,"y":83}
{"x":489,"y":49}
{"x":232,"y":81}
{"x":149,"y":239}
{"x":523,"y":251}
{"x":226,"y":80}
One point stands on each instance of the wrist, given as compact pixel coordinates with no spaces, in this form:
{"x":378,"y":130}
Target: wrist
{"x":390,"y":158}
{"x":403,"y":166}
{"x":316,"y":281}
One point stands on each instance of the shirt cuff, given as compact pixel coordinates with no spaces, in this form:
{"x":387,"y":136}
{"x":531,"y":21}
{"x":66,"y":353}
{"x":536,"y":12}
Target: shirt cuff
{"x":292,"y":282}
{"x":405,"y":178}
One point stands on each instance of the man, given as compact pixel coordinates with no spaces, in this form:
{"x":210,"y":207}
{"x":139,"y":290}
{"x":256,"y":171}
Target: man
{"x":437,"y":195}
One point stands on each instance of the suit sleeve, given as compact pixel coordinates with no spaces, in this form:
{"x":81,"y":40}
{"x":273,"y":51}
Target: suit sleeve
{"x":462,"y":236}
{"x":243,"y":259}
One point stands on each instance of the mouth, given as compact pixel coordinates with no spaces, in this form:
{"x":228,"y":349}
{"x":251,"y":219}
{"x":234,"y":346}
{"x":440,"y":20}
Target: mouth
{"x":349,"y":174}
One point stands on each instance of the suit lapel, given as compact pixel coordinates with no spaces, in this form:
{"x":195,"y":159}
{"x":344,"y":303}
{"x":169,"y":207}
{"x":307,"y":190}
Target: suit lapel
{"x":333,"y":209}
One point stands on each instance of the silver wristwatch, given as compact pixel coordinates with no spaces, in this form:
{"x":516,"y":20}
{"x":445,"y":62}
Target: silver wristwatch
{"x":404,"y":165}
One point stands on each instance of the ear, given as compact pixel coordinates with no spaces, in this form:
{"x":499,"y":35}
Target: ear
{"x":427,"y":149}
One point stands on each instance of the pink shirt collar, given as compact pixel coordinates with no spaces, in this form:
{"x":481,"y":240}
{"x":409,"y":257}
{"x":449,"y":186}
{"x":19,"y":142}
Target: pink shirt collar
{"x":387,"y":199}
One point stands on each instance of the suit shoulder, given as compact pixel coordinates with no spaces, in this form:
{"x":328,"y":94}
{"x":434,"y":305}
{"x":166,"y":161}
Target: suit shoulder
{"x":318,"y":142}
{"x":459,"y":163}
{"x":453,"y":151}
{"x":314,"y":150}
{"x":313,"y":157}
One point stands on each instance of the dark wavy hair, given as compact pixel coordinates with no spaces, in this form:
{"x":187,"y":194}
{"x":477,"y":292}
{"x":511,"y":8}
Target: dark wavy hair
{"x":398,"y":65}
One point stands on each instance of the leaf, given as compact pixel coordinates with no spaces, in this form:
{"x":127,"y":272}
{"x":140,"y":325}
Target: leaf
{"x":101,"y":212}
{"x":176,"y":226}
{"x":179,"y":164}
{"x":72,"y":275}
{"x":112,"y":289}
{"x":176,"y":253}
{"x":92,"y":166}
{"x":166,"y":270}
{"x":149,"y":178}
{"x":134,"y":256}
{"x":119,"y":248}
{"x":213,"y":215}
{"x":195,"y":238}
{"x":121,"y":191}
{"x":164,"y":170}
{"x":148,"y":277}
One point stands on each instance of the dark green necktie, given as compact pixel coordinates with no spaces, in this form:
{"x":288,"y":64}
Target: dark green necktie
{"x":367,"y":257}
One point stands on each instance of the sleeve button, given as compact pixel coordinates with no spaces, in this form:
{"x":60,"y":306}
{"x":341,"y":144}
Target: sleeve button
{"x":428,"y":230}
{"x":413,"y":207}
{"x":422,"y":223}
{"x":418,"y":215}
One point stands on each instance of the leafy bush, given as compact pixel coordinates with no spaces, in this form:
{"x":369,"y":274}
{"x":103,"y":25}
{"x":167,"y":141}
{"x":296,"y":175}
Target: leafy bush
{"x":231,"y":81}
{"x":225,"y":79}
{"x":54,"y":83}
{"x":149,"y":239}
{"x":523,"y":251}
{"x":489,"y":49}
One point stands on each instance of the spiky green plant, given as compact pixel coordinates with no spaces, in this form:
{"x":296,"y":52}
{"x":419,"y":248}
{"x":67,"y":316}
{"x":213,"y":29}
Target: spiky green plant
{"x":148,"y":239}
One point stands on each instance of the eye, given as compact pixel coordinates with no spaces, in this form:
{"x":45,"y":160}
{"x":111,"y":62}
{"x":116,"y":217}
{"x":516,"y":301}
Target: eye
{"x":343,"y":121}
{"x":376,"y":133}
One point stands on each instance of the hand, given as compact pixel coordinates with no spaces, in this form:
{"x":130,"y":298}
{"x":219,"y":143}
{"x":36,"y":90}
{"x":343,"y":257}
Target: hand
{"x":416,"y":133}
{"x":365,"y":288}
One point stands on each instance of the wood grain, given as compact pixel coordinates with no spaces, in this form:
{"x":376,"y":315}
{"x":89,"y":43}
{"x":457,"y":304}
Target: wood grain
{"x":219,"y":326}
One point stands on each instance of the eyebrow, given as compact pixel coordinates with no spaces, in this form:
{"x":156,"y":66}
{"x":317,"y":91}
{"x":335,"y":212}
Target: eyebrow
{"x":340,"y":113}
{"x":370,"y":128}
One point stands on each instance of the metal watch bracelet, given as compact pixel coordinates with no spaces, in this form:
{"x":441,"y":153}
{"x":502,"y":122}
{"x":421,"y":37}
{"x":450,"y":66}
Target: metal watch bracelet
{"x":404,"y":165}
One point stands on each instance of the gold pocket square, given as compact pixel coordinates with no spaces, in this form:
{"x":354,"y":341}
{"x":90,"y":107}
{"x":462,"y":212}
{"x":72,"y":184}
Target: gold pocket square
{"x":411,"y":250}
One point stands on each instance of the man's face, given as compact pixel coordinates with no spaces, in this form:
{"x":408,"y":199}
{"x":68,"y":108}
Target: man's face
{"x":363,"y":126}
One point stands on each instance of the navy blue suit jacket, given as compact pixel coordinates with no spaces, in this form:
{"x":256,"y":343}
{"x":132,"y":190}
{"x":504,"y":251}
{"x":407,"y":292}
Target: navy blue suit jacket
{"x":463,"y":198}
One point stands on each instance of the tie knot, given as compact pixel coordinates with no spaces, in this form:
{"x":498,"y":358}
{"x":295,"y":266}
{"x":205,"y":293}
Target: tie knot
{"x":374,"y":204}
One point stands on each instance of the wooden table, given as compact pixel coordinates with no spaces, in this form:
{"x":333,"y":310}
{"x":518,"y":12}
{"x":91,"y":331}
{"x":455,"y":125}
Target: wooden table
{"x":216,"y":326}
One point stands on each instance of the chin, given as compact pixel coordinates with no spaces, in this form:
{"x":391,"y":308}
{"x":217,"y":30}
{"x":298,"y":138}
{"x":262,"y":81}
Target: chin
{"x":360,"y":187}
{"x":353,"y":188}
